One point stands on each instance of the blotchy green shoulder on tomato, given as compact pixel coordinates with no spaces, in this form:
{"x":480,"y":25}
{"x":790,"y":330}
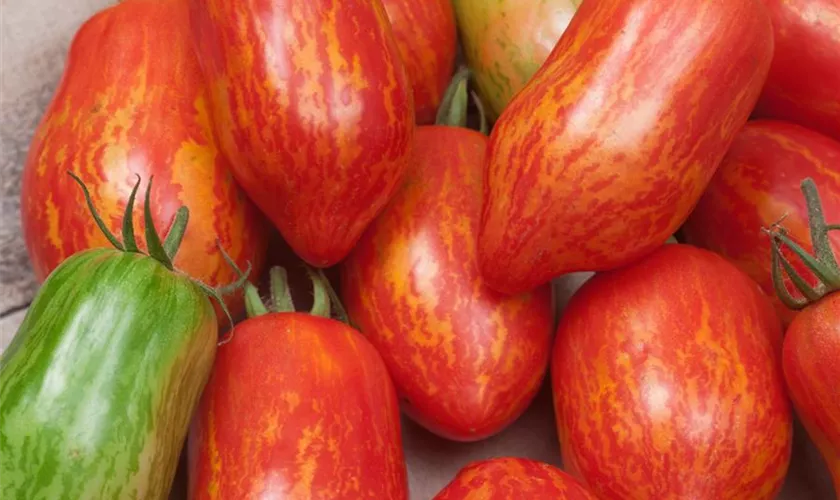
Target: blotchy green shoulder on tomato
{"x":100,"y":382}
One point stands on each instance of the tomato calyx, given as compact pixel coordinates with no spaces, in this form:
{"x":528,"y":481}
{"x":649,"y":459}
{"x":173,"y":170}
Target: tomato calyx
{"x":822,"y":263}
{"x":453,"y":107}
{"x":325,"y":300}
{"x":162,"y":251}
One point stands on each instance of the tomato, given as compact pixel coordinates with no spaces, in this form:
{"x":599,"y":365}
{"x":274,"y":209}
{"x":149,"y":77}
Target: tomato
{"x":466,"y":360}
{"x":428,"y":41}
{"x":102,"y":377}
{"x":506,"y":41}
{"x":667,"y":382}
{"x":298,"y":406}
{"x":602,"y":156}
{"x":132,"y":101}
{"x":512,"y":477}
{"x":805,"y":74}
{"x":756,"y":186}
{"x":812,"y":342}
{"x":313,"y":107}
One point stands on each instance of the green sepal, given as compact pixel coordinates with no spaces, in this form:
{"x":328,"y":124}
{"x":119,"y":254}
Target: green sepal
{"x":321,"y":298}
{"x":153,"y":244}
{"x":176,"y":233}
{"x":129,"y":241}
{"x":281,"y":294}
{"x":97,"y":219}
{"x":453,"y":108}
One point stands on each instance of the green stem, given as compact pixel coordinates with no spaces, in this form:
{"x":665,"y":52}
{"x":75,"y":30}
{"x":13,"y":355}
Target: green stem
{"x":823,"y":264}
{"x":254,"y":305}
{"x":338,"y":307}
{"x":129,"y":241}
{"x":281,"y":295}
{"x":321,"y":298}
{"x":453,"y":108}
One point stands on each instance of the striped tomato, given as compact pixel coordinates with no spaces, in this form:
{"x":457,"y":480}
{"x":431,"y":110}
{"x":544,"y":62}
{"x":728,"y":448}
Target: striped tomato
{"x":506,"y":41}
{"x":100,"y":382}
{"x":812,"y":342}
{"x":805,"y":74}
{"x":466,"y":360}
{"x":298,"y":406}
{"x":313,"y":106}
{"x":427,"y":39}
{"x":668,"y":384}
{"x":132,"y":102}
{"x":506,"y":478}
{"x":756,"y":186}
{"x":602,"y":156}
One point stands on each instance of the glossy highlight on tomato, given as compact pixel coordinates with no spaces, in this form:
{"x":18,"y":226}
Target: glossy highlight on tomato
{"x":506,"y":478}
{"x":756,"y":186}
{"x":602,"y":156}
{"x":805,"y":74}
{"x":428,"y":41}
{"x":314,"y":109}
{"x":466,"y":360}
{"x":667,"y":382}
{"x":132,"y":101}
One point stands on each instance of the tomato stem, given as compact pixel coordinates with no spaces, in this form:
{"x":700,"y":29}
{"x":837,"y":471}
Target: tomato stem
{"x":129,"y":241}
{"x":453,"y":108}
{"x":823,"y":264}
{"x":95,"y":214}
{"x":254,"y":305}
{"x":281,"y":295}
{"x":482,"y":114}
{"x":321,"y":298}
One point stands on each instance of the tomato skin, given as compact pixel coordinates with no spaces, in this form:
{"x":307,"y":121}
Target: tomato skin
{"x":428,"y":41}
{"x":466,"y":360}
{"x":809,"y":358}
{"x":602,"y":156}
{"x":511,"y":477}
{"x":100,"y":382}
{"x":318,"y":122}
{"x":298,"y":407}
{"x":506,"y":41}
{"x":756,"y":185}
{"x":675,"y":356}
{"x":132,"y":101}
{"x":805,"y":74}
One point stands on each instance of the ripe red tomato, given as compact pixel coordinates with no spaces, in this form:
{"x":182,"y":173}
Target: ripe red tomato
{"x":297,"y":406}
{"x":805,"y":74}
{"x":313,"y":107}
{"x":466,"y":360}
{"x":757,"y":185}
{"x":132,"y":101}
{"x":668,"y":384}
{"x":427,"y":38}
{"x":602,"y":156}
{"x":510,"y":477}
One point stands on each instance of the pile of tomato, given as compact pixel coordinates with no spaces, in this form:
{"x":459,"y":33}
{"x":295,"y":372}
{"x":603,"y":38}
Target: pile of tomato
{"x":430,"y":205}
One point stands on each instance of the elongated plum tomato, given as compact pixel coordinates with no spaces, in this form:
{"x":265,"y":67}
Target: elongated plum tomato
{"x":466,"y":360}
{"x":602,"y":156}
{"x":668,"y":385}
{"x":427,"y":38}
{"x":99,"y":384}
{"x":506,"y":41}
{"x":805,"y":74}
{"x":511,"y":477}
{"x":812,"y":342}
{"x":132,"y":101}
{"x":756,"y":186}
{"x":299,"y":406}
{"x":313,"y":107}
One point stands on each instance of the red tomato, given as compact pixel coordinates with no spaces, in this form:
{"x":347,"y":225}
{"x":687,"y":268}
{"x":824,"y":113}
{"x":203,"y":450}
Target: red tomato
{"x":810,"y":359}
{"x":297,"y":407}
{"x":668,"y":384}
{"x":602,"y":156}
{"x":756,"y":186}
{"x":132,"y":101}
{"x":313,"y":107}
{"x":465,"y":359}
{"x":428,"y":40}
{"x":805,"y":74}
{"x":508,"y":477}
